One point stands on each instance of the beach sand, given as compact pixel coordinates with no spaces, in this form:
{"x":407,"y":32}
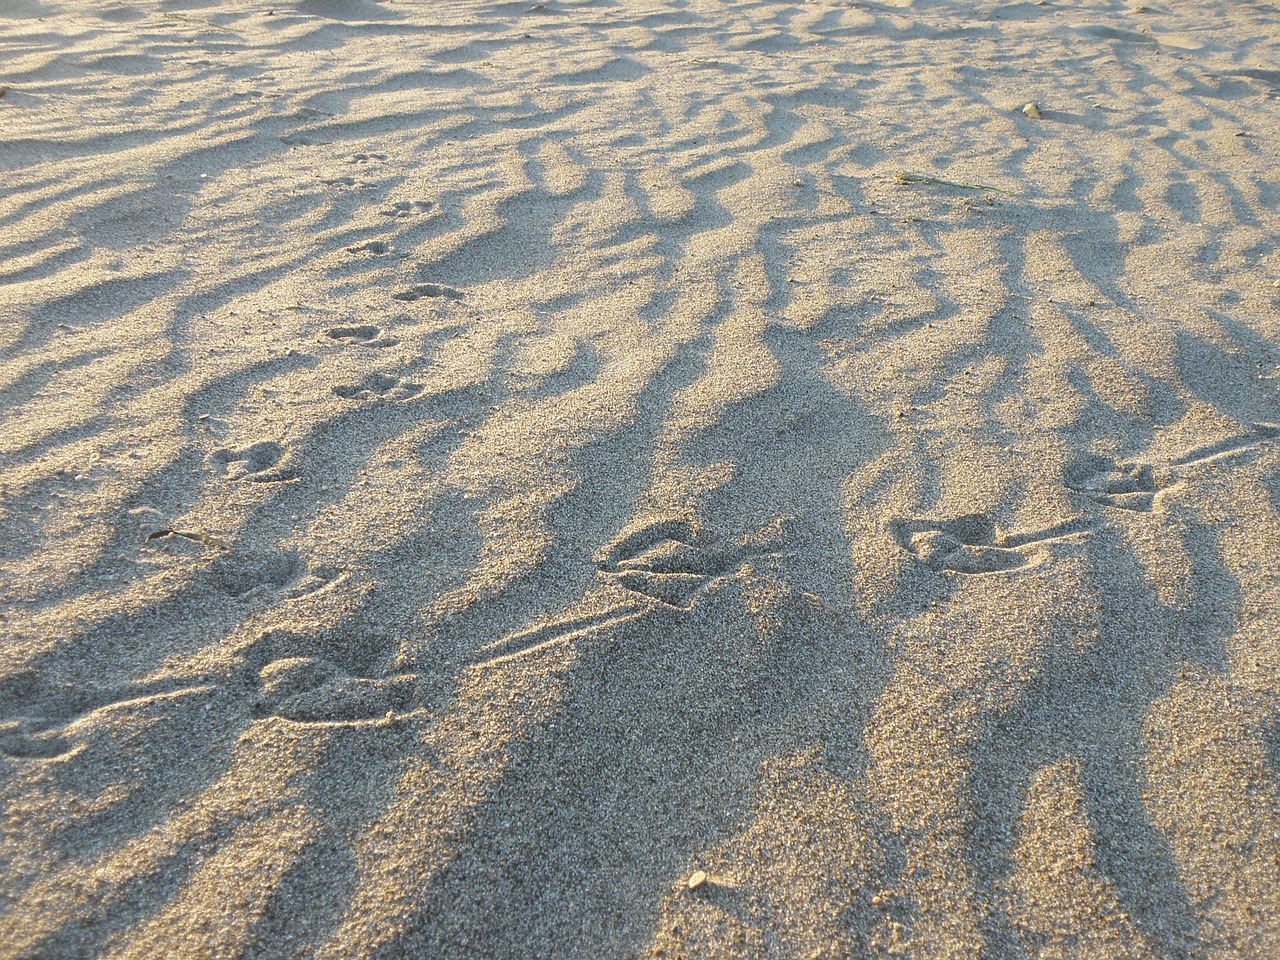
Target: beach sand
{"x":466,"y":468}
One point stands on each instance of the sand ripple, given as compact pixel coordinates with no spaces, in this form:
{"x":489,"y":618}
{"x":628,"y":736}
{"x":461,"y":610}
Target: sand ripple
{"x":467,"y":466}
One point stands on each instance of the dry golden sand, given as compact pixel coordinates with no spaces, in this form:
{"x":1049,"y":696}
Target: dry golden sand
{"x":617,"y":439}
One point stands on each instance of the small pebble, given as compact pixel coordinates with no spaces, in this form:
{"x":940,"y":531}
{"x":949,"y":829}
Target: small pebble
{"x":1033,"y":111}
{"x":697,"y":879}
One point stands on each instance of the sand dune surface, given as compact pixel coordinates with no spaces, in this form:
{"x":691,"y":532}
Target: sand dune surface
{"x":639,"y":478}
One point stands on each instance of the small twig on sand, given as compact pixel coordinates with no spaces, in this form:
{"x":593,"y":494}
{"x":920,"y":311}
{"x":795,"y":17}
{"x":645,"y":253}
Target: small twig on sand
{"x":906,"y":178}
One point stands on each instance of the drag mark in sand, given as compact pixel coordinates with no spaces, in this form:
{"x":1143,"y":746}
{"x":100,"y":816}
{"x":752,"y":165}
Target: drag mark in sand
{"x":533,"y":640}
{"x":37,"y":716}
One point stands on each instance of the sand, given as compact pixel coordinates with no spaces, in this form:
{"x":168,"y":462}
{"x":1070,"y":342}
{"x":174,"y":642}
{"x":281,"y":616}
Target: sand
{"x":468,"y":467}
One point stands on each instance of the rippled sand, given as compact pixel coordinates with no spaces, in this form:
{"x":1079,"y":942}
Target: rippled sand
{"x":466,"y":467}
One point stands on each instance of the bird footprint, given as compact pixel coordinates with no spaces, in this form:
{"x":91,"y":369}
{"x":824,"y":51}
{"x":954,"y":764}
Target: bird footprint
{"x":672,"y":561}
{"x":972,"y":544}
{"x":378,"y":386}
{"x":259,"y":463}
{"x":313,"y":690}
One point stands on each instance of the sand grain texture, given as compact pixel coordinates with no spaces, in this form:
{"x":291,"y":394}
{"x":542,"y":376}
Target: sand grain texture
{"x":468,"y":468}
